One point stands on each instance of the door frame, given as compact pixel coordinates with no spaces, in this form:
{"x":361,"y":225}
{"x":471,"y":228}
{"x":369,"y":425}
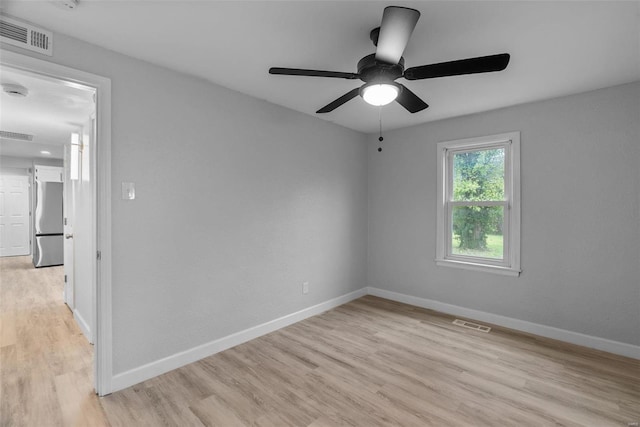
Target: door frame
{"x":101,"y":221}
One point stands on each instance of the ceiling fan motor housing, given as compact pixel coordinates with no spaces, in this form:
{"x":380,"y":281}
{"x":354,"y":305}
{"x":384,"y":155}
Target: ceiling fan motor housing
{"x":372,"y":70}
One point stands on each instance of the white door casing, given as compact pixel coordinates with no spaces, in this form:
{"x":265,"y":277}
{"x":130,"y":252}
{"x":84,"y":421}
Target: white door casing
{"x":101,"y":226}
{"x":14,"y":215}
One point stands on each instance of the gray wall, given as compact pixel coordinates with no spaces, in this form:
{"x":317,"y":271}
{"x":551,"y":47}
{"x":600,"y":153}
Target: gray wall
{"x":580,"y":158}
{"x":238,"y":202}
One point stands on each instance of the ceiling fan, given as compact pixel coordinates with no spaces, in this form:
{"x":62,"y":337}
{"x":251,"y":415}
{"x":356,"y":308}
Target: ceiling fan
{"x":380,"y":70}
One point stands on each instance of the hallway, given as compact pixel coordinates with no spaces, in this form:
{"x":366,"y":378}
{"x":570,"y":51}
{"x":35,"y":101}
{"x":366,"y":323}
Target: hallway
{"x":45,"y":361}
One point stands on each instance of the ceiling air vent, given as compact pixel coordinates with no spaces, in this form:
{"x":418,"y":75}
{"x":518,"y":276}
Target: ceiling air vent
{"x":24,"y":35}
{"x":16,"y":136}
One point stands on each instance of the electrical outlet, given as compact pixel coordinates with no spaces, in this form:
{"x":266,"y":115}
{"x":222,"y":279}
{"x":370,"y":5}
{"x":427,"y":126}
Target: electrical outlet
{"x":305,"y":288}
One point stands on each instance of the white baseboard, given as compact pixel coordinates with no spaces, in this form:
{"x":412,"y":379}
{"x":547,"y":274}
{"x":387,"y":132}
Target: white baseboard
{"x":161,"y":366}
{"x":84,"y":326}
{"x":598,"y":343}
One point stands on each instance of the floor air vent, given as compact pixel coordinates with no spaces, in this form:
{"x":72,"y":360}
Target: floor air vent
{"x":24,"y":35}
{"x":471,"y":325}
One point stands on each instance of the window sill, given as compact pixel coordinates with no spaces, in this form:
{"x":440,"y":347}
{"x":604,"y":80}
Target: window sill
{"x":505,"y":271}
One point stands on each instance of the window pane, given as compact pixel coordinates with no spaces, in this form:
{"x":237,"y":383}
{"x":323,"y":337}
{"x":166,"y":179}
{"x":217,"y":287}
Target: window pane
{"x":478,"y":175}
{"x":477,"y":231}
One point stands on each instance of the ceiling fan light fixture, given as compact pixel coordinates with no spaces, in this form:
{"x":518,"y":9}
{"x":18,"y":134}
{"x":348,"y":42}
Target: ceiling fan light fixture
{"x":379,"y":94}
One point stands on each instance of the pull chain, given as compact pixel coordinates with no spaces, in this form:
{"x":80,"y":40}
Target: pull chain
{"x":380,"y":138}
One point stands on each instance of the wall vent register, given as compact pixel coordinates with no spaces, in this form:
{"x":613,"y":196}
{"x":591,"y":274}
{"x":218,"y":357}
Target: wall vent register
{"x":25,"y":35}
{"x":16,"y":135}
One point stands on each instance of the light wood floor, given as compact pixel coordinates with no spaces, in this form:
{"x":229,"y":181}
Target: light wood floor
{"x":45,"y":361}
{"x":368,"y":363}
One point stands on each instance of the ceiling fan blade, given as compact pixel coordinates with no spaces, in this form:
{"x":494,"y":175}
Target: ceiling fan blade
{"x":396,"y":28}
{"x":338,"y":102}
{"x":410,"y":100}
{"x":482,"y":64}
{"x":311,"y":73}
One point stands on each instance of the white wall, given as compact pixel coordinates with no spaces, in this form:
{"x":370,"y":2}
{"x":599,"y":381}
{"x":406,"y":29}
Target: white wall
{"x":21,"y":165}
{"x":13,"y":171}
{"x":580,"y":158}
{"x":238,"y":202}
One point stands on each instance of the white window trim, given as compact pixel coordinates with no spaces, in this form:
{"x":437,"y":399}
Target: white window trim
{"x":511,"y":265}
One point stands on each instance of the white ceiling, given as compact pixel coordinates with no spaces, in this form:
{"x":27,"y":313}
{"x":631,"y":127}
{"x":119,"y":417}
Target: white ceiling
{"x":557,"y":48}
{"x":50,"y":112}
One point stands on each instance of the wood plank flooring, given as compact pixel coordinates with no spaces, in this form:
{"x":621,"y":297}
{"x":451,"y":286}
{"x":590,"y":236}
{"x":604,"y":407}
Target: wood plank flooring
{"x":45,"y":361}
{"x":370,"y":363}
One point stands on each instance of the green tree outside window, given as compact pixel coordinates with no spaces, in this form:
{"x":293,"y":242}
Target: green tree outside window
{"x":478,"y":176}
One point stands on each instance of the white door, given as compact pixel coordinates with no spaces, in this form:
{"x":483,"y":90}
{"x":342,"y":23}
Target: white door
{"x":83,"y":242}
{"x":14,"y":215}
{"x":68,"y":230}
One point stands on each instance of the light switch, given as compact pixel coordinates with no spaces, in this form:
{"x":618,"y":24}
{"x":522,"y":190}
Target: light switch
{"x":128,"y":191}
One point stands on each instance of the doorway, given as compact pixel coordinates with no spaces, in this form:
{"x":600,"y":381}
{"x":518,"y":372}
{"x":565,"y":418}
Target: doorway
{"x":91,"y":196}
{"x":51,"y":117}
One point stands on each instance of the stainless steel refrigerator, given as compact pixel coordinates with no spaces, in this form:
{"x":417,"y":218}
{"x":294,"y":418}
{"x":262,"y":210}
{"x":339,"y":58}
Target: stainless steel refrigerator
{"x":48,"y":227}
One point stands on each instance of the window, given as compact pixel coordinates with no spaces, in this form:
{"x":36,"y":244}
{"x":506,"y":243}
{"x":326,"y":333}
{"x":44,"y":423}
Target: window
{"x":479,"y":204}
